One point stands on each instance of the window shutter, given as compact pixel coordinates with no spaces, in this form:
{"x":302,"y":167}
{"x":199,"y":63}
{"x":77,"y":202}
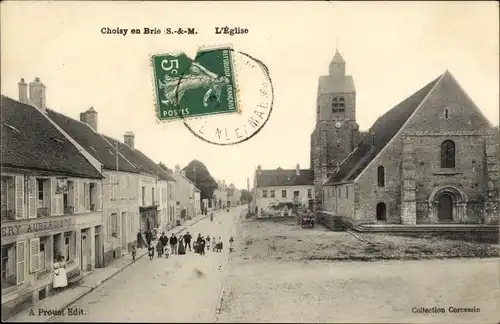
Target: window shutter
{"x":32,"y":201}
{"x":110,"y":220}
{"x":60,"y":204}
{"x":53,"y":198}
{"x":98,"y":196}
{"x":76,"y":188}
{"x":20,"y":261}
{"x":86,"y":190}
{"x":118,"y":221}
{"x":19,"y":197}
{"x":82,"y":196}
{"x":112,"y":185}
{"x":34,"y":255}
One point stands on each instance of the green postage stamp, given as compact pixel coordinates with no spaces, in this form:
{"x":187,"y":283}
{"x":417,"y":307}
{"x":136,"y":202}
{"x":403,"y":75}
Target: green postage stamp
{"x":186,"y":88}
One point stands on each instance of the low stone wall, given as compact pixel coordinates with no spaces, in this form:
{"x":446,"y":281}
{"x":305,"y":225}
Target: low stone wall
{"x":333,"y":222}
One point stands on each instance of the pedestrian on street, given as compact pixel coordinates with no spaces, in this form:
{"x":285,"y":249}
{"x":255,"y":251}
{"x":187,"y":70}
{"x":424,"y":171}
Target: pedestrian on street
{"x":139,"y":239}
{"x":181,"y":249}
{"x":199,"y":238}
{"x":208,"y":242}
{"x":173,"y":244}
{"x":151,"y":252}
{"x":163,"y":239}
{"x":214,"y":244}
{"x":187,"y":240}
{"x":231,"y":244}
{"x":168,"y":251}
{"x":202,"y":246}
{"x":159,"y":249}
{"x":220,"y":242}
{"x":149,"y":237}
{"x":134,"y":252}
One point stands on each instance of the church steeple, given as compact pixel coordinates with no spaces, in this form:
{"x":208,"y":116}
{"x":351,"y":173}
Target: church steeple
{"x":337,"y":65}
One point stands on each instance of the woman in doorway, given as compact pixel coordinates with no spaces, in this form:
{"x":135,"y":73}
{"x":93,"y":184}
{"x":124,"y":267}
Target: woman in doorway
{"x":60,"y":276}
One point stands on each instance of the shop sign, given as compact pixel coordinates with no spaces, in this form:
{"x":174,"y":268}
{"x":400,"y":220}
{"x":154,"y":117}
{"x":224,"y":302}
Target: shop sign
{"x":34,"y":227}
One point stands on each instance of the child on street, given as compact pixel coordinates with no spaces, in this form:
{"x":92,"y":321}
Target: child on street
{"x":151,"y":252}
{"x":134,"y":252}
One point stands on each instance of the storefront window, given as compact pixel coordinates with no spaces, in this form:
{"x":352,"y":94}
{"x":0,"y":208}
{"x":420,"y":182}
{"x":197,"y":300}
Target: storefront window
{"x":8,"y":265}
{"x":44,"y":241}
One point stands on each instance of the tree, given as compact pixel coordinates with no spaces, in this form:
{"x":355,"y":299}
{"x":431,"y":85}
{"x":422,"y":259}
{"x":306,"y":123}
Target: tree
{"x":246,"y":196}
{"x":164,"y":167}
{"x":198,"y":173}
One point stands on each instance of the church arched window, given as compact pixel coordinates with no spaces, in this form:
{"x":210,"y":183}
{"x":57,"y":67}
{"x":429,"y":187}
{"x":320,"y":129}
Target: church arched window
{"x":381,"y":176}
{"x":447,"y":154}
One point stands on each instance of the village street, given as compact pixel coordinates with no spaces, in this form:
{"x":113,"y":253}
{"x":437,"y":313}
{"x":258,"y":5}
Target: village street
{"x":182,"y":288}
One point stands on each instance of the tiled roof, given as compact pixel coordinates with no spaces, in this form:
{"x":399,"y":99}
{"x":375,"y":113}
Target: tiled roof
{"x":384,"y":128}
{"x":92,"y":142}
{"x":31,"y":141}
{"x":329,"y":85}
{"x":140,"y":160}
{"x":281,"y":177}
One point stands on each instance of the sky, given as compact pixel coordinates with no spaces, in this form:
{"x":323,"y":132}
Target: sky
{"x":392,"y":49}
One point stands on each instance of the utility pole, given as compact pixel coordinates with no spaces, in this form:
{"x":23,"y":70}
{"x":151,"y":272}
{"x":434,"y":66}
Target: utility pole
{"x":248,"y":189}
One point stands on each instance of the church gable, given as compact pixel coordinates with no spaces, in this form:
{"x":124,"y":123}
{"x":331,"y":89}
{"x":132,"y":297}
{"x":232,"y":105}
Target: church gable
{"x":448,"y":108}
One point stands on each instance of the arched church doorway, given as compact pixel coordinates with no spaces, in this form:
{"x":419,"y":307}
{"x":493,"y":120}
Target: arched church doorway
{"x":381,"y":212}
{"x":445,"y":208}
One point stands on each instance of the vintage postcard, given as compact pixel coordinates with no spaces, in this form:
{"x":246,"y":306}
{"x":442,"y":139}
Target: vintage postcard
{"x":250,"y":162}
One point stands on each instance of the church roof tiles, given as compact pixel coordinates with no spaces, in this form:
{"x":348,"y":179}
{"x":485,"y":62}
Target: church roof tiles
{"x":384,"y":129}
{"x":281,"y":177}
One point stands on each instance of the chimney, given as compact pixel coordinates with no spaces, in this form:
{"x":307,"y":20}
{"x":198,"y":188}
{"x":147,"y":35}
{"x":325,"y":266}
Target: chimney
{"x":183,"y":173}
{"x":23,"y":91}
{"x":90,"y":118}
{"x":373,"y":139}
{"x":37,"y":93}
{"x":128,"y":138}
{"x":259,"y":169}
{"x":297,"y":169}
{"x":177,"y":169}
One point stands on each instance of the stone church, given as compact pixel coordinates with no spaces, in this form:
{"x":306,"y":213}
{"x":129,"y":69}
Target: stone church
{"x":433,"y":158}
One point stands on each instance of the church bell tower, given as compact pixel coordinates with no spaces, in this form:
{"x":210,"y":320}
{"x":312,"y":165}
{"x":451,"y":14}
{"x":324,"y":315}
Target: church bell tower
{"x":336,"y":133}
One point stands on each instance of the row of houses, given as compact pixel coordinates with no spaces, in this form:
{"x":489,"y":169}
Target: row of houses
{"x":69,"y":190}
{"x":226,"y":195}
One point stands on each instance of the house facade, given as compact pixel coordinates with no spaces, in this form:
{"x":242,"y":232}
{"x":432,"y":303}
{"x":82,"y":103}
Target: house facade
{"x":153,"y":187}
{"x":279,"y":187}
{"x":51,"y":199}
{"x":233,"y":195}
{"x":220,"y":195}
{"x":433,"y":158}
{"x":186,"y":194}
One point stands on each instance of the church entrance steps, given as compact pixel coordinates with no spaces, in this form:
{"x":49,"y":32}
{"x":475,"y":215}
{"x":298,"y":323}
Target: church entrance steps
{"x":426,"y":228}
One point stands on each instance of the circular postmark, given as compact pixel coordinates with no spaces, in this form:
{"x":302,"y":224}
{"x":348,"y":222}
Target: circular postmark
{"x":237,"y":104}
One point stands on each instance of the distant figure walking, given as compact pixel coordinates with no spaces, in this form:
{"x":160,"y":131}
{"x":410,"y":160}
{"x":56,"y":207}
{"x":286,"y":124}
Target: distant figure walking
{"x":168,"y":251}
{"x":151,"y":252}
{"x":149,"y":237}
{"x":231,"y":244}
{"x":218,"y":247}
{"x":187,"y":240}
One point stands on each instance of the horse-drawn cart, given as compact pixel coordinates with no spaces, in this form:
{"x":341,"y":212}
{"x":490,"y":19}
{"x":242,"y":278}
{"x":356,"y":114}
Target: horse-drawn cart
{"x":306,"y":219}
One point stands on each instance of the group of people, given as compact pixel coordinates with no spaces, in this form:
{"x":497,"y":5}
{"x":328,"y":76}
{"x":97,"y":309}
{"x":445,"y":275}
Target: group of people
{"x":178,"y":245}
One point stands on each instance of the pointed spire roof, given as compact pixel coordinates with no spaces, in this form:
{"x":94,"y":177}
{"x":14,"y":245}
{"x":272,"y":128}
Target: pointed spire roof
{"x":337,"y":58}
